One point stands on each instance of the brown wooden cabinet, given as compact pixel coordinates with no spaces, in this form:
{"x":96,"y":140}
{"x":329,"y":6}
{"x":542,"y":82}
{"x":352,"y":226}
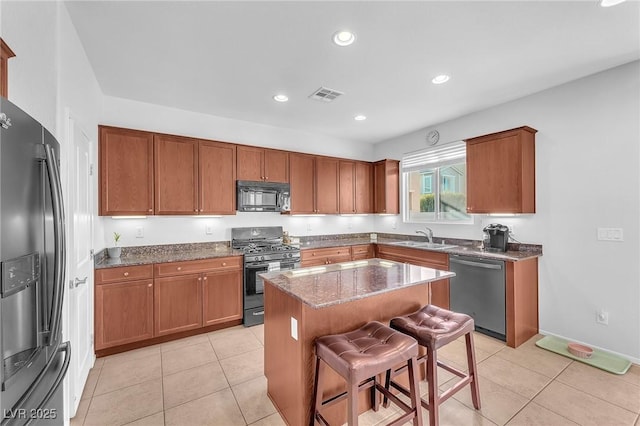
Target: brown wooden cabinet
{"x":501,"y":172}
{"x":222,"y":296}
{"x":176,"y":175}
{"x":302,"y":178}
{"x":314,"y":184}
{"x":197,"y":293}
{"x":347,"y":187}
{"x":326,"y":188}
{"x":354,"y":187}
{"x":123,"y":305}
{"x":325,"y":256}
{"x":364,"y":187}
{"x":126,"y":172}
{"x":262,"y":164}
{"x":430,"y":259}
{"x":217,"y":171}
{"x":362,"y":251}
{"x":386,"y":183}
{"x":5,"y":54}
{"x":177,"y":304}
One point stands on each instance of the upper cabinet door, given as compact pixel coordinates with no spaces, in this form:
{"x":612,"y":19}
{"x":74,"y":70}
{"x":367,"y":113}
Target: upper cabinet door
{"x":364,"y":187}
{"x":276,"y":166}
{"x":176,"y":175}
{"x":501,"y":172}
{"x":217,"y":178}
{"x":347,"y":187}
{"x":327,"y":185}
{"x":387,"y":181}
{"x":126,"y":172}
{"x":250,"y":164}
{"x":301,"y":169}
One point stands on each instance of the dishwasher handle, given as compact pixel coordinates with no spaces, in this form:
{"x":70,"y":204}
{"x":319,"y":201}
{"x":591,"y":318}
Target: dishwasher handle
{"x":475,"y":264}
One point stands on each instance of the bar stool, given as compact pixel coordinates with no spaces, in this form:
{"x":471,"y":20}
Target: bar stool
{"x":359,"y":356}
{"x":433,"y":328}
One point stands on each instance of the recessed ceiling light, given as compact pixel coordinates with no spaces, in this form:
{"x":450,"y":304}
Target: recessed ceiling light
{"x":344,"y":38}
{"x":609,"y":3}
{"x":360,"y":117}
{"x":281,"y":98}
{"x":439,"y":79}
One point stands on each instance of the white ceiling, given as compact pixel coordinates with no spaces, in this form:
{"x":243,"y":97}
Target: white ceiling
{"x":229,"y":58}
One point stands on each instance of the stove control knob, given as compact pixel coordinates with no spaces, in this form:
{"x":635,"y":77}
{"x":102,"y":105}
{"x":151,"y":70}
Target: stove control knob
{"x":261,"y":257}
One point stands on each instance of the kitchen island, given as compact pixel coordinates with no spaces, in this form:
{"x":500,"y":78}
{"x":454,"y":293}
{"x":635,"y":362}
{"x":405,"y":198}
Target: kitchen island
{"x":306,"y":303}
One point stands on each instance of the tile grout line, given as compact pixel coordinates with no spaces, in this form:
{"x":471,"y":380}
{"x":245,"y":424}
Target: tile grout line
{"x":553,"y":379}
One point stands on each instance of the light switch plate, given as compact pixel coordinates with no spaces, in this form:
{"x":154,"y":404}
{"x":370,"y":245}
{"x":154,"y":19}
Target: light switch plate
{"x":208,"y":229}
{"x":610,"y":234}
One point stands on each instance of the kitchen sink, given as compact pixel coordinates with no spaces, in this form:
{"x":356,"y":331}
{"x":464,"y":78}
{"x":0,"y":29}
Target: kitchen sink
{"x":423,"y":245}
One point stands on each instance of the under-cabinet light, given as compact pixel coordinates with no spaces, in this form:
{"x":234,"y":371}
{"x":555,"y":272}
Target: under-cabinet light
{"x":128,"y":217}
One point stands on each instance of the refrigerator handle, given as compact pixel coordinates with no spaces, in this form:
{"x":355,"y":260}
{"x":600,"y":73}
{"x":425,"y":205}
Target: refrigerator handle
{"x":60,"y":250}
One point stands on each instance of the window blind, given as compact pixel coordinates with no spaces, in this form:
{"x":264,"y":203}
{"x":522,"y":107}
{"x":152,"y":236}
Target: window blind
{"x":436,"y":157}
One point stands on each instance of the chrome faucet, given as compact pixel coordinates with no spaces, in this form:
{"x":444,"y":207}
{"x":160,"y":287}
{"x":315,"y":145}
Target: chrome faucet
{"x":428,"y":233}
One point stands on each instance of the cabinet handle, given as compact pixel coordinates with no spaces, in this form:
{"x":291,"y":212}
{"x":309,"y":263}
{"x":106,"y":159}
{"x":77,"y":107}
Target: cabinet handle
{"x":126,"y":274}
{"x":179,"y":268}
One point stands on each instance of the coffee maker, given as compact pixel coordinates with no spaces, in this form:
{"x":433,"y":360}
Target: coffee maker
{"x":496,"y":237}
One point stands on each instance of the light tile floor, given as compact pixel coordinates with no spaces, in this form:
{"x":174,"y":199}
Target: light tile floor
{"x":217,"y":379}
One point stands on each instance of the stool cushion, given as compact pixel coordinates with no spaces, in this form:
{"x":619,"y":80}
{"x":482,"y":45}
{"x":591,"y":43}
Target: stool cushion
{"x":434,"y":327}
{"x":365,"y":352}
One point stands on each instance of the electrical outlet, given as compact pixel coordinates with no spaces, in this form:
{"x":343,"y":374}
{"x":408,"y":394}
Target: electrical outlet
{"x":139,"y":232}
{"x":308,"y":226}
{"x":511,"y":231}
{"x":294,"y":328}
{"x":394,"y":224}
{"x":602,"y":317}
{"x":208,"y":229}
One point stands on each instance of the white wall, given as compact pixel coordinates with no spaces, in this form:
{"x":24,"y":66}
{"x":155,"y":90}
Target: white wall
{"x":587,"y":176}
{"x":180,"y":229}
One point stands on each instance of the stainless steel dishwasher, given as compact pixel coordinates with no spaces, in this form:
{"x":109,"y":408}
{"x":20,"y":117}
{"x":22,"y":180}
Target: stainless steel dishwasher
{"x":478,"y":290}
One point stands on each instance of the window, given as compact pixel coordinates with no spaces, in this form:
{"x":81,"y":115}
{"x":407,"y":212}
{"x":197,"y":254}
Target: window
{"x":434,"y":185}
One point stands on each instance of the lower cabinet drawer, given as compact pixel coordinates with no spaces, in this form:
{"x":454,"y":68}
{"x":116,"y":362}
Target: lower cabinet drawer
{"x":123,"y":273}
{"x":196,"y":266}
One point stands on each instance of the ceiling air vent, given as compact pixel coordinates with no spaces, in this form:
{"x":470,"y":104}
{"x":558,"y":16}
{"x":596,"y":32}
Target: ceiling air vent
{"x":325,"y":95}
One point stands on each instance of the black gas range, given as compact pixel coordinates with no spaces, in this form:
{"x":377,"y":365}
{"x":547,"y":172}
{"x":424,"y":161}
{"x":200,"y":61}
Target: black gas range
{"x":264,"y":251}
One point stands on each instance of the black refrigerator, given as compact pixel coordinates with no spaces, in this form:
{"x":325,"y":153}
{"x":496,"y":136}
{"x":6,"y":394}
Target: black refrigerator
{"x":32,"y":260}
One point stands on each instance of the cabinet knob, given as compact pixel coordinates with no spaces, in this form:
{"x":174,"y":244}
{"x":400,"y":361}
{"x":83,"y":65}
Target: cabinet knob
{"x":126,"y":274}
{"x":199,"y":279}
{"x":150,"y":210}
{"x":224,"y":263}
{"x":266,"y":178}
{"x":313,"y":254}
{"x":179,"y":268}
{"x":149,"y":285}
{"x":195,"y":210}
{"x":201,"y":209}
{"x":205,"y":278}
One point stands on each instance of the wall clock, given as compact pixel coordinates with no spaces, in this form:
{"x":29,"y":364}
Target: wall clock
{"x":433,"y":137}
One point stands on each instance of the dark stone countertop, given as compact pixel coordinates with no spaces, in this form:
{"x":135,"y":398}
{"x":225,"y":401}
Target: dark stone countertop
{"x":323,"y":286}
{"x":145,"y":255}
{"x":514,"y":253}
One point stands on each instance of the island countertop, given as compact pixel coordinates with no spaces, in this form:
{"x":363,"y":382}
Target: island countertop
{"x":323,"y":286}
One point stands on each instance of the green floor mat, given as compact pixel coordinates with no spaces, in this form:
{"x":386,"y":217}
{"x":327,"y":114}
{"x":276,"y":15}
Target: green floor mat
{"x":600,"y":359}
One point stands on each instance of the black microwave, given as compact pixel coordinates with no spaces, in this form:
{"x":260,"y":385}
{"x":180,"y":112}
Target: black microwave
{"x":256,"y":196}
